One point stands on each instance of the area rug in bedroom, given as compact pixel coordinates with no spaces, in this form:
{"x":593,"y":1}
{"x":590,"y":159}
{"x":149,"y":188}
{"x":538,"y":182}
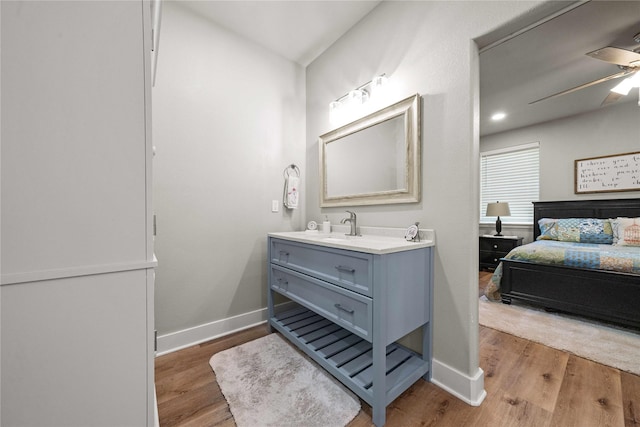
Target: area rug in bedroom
{"x":268,"y":383}
{"x":609,"y":345}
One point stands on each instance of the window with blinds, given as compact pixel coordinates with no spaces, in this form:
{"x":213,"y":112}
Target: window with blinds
{"x":510,"y":175}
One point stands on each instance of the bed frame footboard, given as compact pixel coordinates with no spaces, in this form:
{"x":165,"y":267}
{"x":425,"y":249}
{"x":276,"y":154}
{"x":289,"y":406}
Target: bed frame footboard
{"x":603,"y":295}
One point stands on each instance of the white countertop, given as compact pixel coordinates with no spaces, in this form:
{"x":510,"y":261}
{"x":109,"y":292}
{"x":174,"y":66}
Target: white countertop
{"x":374,"y":240}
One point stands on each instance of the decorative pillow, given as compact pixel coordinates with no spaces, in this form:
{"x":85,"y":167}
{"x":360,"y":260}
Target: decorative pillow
{"x":580,"y":230}
{"x":626,"y":231}
{"x":596,"y":231}
{"x":548,"y":229}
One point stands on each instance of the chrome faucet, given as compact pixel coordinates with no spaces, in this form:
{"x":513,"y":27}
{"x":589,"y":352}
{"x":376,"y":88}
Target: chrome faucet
{"x":352,"y":221}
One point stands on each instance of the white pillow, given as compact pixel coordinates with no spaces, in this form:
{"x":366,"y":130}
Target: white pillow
{"x":626,"y":231}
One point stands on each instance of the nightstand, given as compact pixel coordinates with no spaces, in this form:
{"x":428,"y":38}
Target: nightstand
{"x":492,"y":248}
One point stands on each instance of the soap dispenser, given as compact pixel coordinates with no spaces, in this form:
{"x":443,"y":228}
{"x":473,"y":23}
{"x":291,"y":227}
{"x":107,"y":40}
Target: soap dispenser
{"x":326,"y":225}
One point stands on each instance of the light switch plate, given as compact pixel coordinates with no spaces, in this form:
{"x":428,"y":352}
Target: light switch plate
{"x":274,"y":206}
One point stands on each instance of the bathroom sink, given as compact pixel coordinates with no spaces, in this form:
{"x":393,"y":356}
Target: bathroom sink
{"x":333,"y":239}
{"x":370,"y":243}
{"x":340,"y":238}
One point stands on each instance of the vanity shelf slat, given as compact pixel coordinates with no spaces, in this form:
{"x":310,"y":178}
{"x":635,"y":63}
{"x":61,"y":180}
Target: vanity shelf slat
{"x":403,"y":365}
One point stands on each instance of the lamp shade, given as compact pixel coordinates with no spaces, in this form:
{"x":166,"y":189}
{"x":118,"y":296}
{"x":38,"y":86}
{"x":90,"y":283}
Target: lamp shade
{"x":498,"y":209}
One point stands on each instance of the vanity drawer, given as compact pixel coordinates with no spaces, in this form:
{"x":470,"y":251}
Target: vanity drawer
{"x":348,"y":309}
{"x":349,"y":269}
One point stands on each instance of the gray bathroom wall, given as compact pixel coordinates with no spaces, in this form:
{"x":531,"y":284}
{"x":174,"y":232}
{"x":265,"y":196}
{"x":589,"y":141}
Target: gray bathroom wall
{"x":228,"y":117}
{"x":425,"y":47}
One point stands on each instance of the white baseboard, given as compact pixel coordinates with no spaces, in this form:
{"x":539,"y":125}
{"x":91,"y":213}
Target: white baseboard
{"x":198,"y":334}
{"x":156,"y":419}
{"x":175,"y":341}
{"x":469,"y":389}
{"x":466,"y":388}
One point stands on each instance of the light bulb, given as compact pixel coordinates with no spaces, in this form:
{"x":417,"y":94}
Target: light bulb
{"x":378,"y":82}
{"x":623,"y":87}
{"x":355,"y":96}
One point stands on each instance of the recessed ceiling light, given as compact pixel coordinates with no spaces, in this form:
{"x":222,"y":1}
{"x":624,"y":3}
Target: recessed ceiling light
{"x":498,"y":116}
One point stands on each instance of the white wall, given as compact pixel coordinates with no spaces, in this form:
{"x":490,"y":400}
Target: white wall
{"x":0,"y":225}
{"x":425,"y":47}
{"x":228,"y":117}
{"x":77,"y":259}
{"x":611,"y":130}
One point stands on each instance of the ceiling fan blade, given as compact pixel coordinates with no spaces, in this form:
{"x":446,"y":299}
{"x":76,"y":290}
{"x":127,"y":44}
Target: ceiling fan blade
{"x":616,"y":55}
{"x":611,"y":98}
{"x":595,"y":82}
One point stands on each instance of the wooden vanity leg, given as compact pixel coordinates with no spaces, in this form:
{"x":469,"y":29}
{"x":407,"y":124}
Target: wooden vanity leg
{"x":426,"y":349}
{"x":427,"y":329}
{"x":270,"y":310}
{"x":379,"y":405}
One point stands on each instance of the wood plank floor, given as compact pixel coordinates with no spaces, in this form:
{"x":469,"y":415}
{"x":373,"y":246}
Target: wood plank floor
{"x":527,"y":384}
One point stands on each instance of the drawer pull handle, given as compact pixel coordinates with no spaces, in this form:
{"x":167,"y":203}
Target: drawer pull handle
{"x":340,"y":307}
{"x":345,"y":269}
{"x":495,"y":246}
{"x":285,"y":253}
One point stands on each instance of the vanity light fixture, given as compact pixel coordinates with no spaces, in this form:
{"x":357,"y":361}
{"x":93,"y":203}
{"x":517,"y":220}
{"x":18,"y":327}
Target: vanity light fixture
{"x":496,"y":117}
{"x":378,"y":83}
{"x":349,"y":105}
{"x":356,"y":97}
{"x":334,"y":110}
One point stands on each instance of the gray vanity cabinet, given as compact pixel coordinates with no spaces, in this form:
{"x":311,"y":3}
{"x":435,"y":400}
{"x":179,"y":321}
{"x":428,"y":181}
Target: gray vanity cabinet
{"x":350,"y":309}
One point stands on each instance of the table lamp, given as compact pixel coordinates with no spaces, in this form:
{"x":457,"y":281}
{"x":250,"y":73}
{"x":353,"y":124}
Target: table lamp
{"x":498,"y":209}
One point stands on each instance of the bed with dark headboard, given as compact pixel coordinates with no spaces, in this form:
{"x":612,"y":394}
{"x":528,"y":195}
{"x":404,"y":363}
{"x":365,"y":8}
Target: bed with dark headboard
{"x":605,"y":295}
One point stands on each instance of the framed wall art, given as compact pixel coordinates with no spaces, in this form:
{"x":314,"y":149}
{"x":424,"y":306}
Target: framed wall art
{"x":616,"y":172}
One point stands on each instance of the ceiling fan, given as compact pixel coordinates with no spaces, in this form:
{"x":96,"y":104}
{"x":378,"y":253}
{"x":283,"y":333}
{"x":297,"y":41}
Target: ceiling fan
{"x":627,"y":60}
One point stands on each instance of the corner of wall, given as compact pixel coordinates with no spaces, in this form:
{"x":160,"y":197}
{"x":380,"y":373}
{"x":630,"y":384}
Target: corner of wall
{"x":469,"y":389}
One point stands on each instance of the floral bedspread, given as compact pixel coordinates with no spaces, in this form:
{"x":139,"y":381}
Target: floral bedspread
{"x":583,"y":255}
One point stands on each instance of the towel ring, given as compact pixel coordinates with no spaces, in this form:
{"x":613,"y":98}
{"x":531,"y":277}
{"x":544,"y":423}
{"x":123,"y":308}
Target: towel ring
{"x":291,"y":169}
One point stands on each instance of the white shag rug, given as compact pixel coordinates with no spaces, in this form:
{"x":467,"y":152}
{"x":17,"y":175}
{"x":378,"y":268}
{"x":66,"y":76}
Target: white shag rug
{"x":609,"y":345}
{"x":268,"y":383}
